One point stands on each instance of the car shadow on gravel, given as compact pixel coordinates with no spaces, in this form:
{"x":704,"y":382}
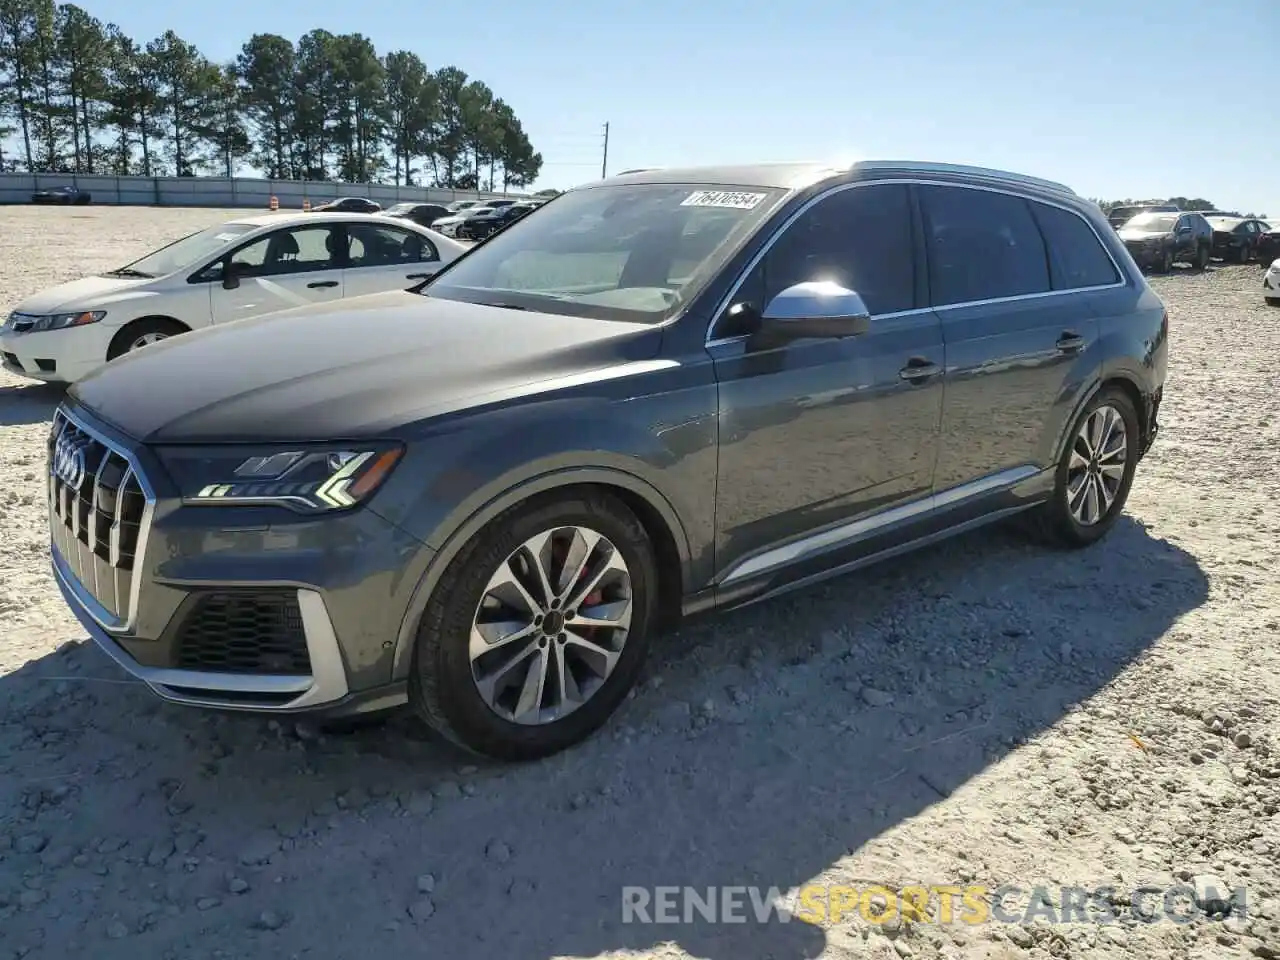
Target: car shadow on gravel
{"x":762,"y":748}
{"x":34,"y":403}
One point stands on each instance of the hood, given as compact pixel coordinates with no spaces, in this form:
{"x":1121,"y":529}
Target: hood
{"x":81,"y":294}
{"x":1136,"y":233}
{"x":353,"y":368}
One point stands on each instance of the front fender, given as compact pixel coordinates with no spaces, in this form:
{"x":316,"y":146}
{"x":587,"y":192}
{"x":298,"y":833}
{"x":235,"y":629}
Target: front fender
{"x":660,"y":446}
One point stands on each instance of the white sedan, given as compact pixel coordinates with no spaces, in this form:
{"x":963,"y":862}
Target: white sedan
{"x":1271,"y":284}
{"x":239,"y":269}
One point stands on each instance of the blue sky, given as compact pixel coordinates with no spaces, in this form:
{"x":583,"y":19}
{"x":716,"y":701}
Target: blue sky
{"x":1117,"y":98}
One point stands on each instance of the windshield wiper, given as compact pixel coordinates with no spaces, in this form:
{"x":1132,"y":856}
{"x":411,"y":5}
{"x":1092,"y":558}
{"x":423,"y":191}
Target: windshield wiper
{"x":129,"y":272}
{"x":505,"y":306}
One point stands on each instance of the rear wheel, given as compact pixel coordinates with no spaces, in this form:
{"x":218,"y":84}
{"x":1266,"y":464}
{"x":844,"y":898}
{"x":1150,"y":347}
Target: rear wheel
{"x":538,"y":629}
{"x":1094,"y":473}
{"x":141,"y":333}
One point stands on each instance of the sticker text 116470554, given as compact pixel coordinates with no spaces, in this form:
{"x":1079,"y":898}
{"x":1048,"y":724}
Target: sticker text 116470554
{"x":734,"y":199}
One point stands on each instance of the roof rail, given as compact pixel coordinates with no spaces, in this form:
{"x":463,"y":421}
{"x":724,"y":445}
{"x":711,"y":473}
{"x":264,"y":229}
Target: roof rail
{"x":985,"y":173}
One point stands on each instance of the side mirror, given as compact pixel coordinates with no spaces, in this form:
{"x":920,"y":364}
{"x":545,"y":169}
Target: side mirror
{"x":816,"y":308}
{"x":230,"y":276}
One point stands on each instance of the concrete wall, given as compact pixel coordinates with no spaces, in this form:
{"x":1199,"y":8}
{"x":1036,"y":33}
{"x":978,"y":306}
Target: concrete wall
{"x":219,"y":191}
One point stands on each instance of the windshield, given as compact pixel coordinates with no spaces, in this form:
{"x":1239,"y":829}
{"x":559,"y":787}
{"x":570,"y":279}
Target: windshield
{"x":400,"y":208}
{"x":184,"y":252}
{"x":1152,"y":222}
{"x":633,"y":252}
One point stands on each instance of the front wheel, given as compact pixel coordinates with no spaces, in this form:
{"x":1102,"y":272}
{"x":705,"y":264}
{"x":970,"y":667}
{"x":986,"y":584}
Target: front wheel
{"x":1094,"y":473}
{"x":142,"y":333}
{"x":1273,"y":301}
{"x":1166,"y":261}
{"x":1242,"y":255}
{"x":1202,"y":258}
{"x":538,"y":628}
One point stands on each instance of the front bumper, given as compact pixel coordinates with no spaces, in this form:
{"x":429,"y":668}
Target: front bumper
{"x":55,"y":356}
{"x":233,"y":608}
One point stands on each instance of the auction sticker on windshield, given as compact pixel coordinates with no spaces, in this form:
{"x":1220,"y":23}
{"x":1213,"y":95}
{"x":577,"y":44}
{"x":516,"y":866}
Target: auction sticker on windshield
{"x":734,"y":199}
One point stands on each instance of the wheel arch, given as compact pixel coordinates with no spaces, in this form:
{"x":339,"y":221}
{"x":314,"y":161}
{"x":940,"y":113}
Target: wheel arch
{"x":654,"y":512}
{"x":1122,"y":380}
{"x":122,"y":333}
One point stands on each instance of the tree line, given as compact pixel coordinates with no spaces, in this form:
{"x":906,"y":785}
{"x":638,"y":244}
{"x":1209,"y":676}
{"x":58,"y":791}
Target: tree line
{"x":1189,"y":204}
{"x":80,"y":96}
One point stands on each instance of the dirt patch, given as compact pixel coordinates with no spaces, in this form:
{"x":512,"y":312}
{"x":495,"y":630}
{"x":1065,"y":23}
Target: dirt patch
{"x":984,"y":713}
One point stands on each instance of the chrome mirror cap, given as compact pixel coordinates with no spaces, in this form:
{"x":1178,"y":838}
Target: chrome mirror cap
{"x":816,"y":300}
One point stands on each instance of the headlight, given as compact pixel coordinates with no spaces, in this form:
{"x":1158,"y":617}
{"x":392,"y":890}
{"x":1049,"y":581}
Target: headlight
{"x":57,"y":321}
{"x":306,"y":480}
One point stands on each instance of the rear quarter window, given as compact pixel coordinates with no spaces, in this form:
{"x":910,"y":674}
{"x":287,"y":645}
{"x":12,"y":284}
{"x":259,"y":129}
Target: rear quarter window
{"x":1077,"y":258}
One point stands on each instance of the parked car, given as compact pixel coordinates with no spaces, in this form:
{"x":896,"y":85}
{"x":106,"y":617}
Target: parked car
{"x":1119,"y":216}
{"x":247,"y":267}
{"x":449,"y":225}
{"x":1236,"y":238}
{"x":1269,"y":242}
{"x":478,"y":228}
{"x":1271,"y":284}
{"x":1158,"y":240}
{"x":64,"y":195}
{"x":668,"y":392}
{"x":423,"y":214}
{"x":348,"y":205}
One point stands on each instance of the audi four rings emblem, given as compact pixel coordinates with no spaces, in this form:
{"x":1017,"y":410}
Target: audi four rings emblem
{"x":68,"y":463}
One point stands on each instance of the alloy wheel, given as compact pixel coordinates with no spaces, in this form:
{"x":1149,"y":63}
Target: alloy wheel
{"x":1096,"y":470}
{"x":551,"y":625}
{"x":148,"y":338}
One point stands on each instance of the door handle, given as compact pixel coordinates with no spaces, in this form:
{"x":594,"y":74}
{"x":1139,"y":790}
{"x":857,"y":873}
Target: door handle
{"x":321,"y":283}
{"x":1070,"y":341}
{"x":919,"y":369}
{"x":416,"y":276}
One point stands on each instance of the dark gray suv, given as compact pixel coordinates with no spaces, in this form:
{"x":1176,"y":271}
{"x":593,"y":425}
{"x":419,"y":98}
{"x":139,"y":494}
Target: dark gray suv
{"x":659,"y":394}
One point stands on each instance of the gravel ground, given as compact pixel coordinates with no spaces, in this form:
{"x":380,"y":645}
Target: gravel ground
{"x":989,"y":712}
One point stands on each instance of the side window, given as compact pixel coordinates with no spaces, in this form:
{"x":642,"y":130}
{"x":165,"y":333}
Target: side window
{"x":859,"y":237}
{"x":982,"y":246}
{"x":296,"y":250}
{"x":1076,"y":255}
{"x":378,"y":246}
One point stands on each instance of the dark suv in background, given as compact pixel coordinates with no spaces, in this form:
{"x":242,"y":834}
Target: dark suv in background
{"x":658,"y":394}
{"x":1119,"y":216}
{"x":1158,"y":240}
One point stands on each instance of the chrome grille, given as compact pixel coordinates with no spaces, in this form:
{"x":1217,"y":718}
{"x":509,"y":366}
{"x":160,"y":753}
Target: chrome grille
{"x":97,"y":506}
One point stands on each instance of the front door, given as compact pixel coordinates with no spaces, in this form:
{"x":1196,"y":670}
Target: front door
{"x":383,"y":258}
{"x":286,"y":268}
{"x":816,"y":433}
{"x":1017,"y":334}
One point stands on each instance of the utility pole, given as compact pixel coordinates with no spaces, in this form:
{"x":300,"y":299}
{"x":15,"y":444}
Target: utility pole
{"x":604,"y":163}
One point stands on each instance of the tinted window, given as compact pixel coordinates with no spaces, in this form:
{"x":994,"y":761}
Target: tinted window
{"x":296,"y":250}
{"x":378,"y":246}
{"x":982,"y":246}
{"x":860,"y":238}
{"x":1077,"y":258}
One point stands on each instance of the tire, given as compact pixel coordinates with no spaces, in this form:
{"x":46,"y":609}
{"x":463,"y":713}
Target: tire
{"x":443,"y":689}
{"x":1273,"y":301}
{"x":139,"y":333}
{"x":1202,"y":258}
{"x":1242,"y":255}
{"x":1054,"y":521}
{"x":1166,"y":261}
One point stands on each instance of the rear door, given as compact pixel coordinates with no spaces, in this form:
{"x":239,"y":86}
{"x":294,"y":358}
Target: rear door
{"x":1017,"y":323}
{"x":285,"y":268}
{"x":381,"y":257}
